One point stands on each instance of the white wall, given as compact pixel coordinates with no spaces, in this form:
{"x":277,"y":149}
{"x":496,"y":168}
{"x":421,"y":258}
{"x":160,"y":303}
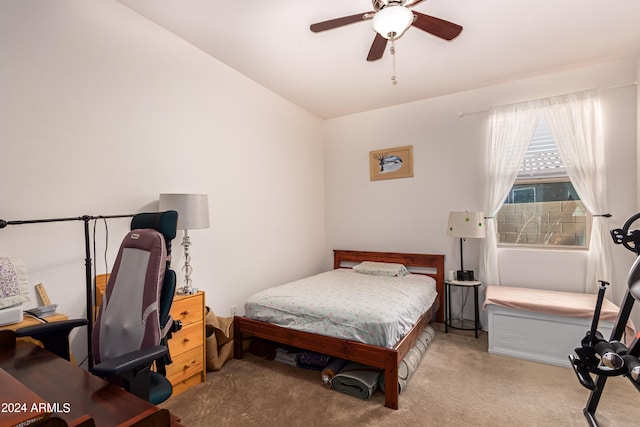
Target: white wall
{"x":101,"y":110}
{"x":411,"y":214}
{"x":638,"y":128}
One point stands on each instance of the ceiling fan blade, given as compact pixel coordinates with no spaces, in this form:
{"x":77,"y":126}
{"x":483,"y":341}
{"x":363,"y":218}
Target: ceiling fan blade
{"x":377,"y":48}
{"x":412,"y":3}
{"x":339,"y":22}
{"x":436,"y":26}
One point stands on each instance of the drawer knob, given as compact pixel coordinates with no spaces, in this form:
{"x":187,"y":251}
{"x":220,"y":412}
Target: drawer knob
{"x":185,"y":340}
{"x":184,"y":313}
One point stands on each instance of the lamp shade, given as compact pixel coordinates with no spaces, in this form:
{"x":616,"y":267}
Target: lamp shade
{"x":392,"y":21}
{"x":193,"y":209}
{"x":466,"y":225}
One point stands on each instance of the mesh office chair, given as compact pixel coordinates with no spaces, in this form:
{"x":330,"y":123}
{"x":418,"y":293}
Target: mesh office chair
{"x":133,"y":323}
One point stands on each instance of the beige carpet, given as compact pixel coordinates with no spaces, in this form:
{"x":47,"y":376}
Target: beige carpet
{"x":457,"y":384}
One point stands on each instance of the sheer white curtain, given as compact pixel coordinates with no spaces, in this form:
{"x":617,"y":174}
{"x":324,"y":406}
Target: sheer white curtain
{"x":510,"y":130}
{"x":575,"y":122}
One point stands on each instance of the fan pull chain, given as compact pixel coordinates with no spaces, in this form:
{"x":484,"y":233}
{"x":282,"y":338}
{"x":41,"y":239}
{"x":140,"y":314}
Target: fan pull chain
{"x":394,"y":79}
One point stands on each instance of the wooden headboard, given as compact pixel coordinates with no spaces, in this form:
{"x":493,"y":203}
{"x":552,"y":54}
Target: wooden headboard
{"x":429,"y":261}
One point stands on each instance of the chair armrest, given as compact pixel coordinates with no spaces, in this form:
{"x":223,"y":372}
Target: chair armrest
{"x":54,"y":336}
{"x":50,"y":328}
{"x":129,"y":361}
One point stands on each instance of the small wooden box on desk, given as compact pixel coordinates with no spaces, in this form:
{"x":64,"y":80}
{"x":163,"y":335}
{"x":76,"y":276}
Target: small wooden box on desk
{"x":187,"y":346}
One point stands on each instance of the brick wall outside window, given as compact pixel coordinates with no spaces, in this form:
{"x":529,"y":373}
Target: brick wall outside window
{"x":562,"y":223}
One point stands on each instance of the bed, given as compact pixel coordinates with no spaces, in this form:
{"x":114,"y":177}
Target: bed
{"x":373,"y":355}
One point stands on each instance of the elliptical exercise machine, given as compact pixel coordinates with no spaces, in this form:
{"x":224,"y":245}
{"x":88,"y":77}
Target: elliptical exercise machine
{"x":611,"y":358}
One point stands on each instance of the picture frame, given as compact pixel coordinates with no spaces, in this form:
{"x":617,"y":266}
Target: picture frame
{"x":391,"y":163}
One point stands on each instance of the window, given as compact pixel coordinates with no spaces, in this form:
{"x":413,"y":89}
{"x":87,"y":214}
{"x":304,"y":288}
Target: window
{"x":543,"y":208}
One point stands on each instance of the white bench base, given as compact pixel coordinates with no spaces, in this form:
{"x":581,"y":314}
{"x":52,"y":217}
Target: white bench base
{"x":538,"y":337}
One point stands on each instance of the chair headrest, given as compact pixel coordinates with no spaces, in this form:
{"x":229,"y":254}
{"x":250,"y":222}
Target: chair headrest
{"x":165,"y":223}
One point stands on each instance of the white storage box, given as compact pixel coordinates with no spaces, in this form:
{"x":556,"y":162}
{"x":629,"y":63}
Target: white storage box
{"x":11,"y":314}
{"x":539,"y":337}
{"x":544,"y":325}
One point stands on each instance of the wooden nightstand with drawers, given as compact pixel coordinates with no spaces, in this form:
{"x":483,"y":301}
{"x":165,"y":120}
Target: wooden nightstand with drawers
{"x":187,"y":346}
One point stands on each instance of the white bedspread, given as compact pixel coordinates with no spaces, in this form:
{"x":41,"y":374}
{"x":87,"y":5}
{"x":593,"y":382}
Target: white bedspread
{"x":342,"y":303}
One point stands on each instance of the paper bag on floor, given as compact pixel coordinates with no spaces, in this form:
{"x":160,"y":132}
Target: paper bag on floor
{"x":219,"y":340}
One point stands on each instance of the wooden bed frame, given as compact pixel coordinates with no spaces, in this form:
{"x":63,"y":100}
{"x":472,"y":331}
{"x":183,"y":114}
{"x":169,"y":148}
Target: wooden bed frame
{"x":379,"y":357}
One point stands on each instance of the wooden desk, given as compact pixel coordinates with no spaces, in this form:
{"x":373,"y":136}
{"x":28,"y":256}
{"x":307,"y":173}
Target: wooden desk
{"x":76,"y":392}
{"x":31,"y":321}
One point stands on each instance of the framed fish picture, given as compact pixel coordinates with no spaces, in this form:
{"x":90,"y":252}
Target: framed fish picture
{"x":391,"y":163}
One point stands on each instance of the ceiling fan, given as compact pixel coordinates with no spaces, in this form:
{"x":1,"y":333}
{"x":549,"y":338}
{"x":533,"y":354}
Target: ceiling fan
{"x":391,"y":18}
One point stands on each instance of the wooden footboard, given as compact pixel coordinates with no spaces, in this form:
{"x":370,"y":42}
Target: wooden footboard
{"x":379,"y":357}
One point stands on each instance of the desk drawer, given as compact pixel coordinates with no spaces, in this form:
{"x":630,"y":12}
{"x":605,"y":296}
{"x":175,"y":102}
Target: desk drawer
{"x":188,"y":338}
{"x":186,"y":365}
{"x":184,"y":385}
{"x":188,"y":310}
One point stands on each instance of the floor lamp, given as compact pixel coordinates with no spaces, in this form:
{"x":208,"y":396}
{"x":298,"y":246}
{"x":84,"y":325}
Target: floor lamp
{"x":466,"y":225}
{"x":193,"y":213}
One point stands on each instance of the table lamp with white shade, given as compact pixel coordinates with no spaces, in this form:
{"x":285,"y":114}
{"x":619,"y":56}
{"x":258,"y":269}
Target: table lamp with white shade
{"x":466,"y":225}
{"x":193,"y":213}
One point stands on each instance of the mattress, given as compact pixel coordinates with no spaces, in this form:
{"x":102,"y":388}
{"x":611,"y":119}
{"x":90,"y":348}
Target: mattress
{"x":342,"y":303}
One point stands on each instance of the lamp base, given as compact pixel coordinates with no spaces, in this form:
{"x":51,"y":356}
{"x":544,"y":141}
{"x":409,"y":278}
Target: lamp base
{"x":186,"y":290}
{"x":465,"y":275}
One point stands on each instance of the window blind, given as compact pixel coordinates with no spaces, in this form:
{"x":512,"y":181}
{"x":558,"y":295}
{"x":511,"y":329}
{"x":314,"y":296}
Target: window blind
{"x":542,"y":159}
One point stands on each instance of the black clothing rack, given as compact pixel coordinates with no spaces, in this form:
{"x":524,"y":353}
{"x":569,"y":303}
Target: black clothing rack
{"x":90,"y":298}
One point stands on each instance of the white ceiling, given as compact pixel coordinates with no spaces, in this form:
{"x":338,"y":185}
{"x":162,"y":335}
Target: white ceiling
{"x":327,"y":73}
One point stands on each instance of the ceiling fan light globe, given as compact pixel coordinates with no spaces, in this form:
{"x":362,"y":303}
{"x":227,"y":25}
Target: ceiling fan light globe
{"x":392,"y":21}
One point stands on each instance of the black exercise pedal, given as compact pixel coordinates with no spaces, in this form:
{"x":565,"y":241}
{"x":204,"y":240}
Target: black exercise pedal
{"x":582,"y":373}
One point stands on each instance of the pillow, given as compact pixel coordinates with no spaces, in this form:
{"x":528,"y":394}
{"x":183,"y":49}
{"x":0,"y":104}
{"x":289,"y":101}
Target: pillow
{"x":381,"y":268}
{"x":14,"y":286}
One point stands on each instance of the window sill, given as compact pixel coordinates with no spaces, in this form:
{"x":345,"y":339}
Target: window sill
{"x":543,"y":247}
